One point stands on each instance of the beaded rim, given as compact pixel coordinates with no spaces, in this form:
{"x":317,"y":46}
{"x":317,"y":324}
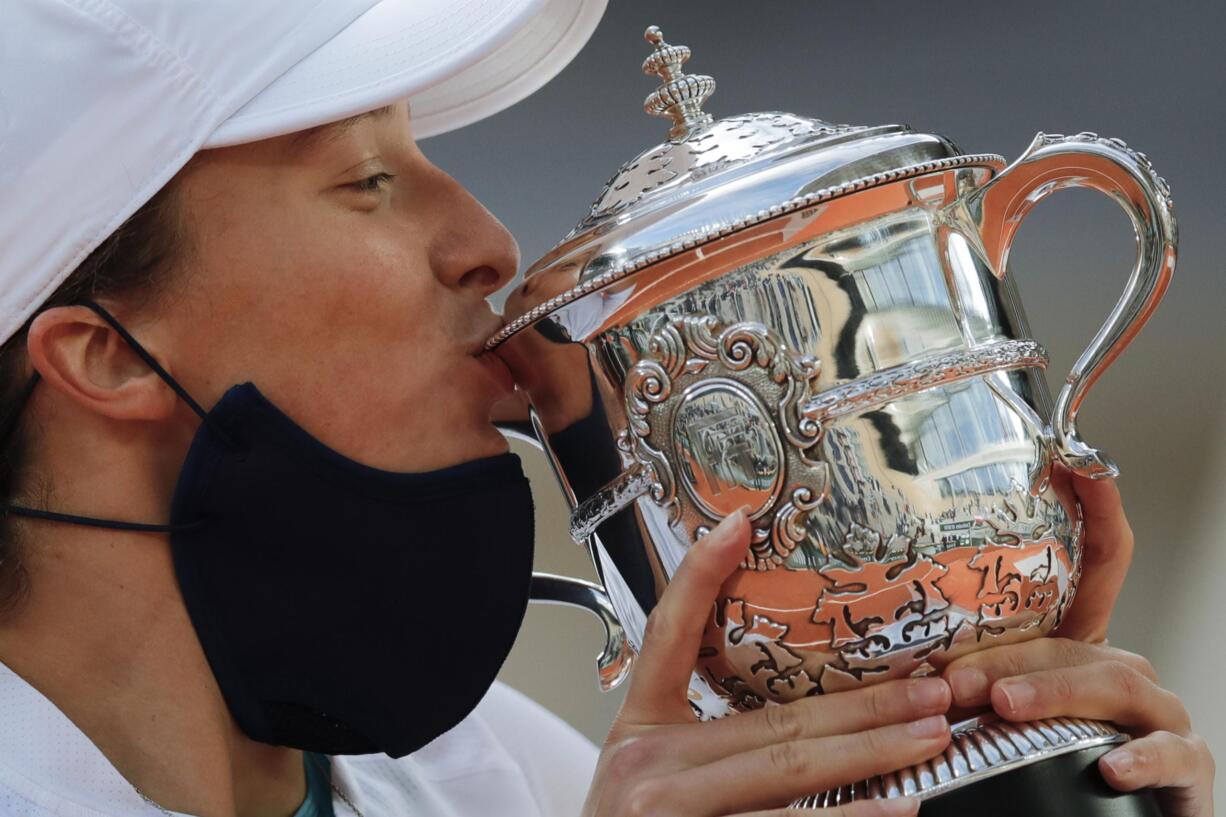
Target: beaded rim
{"x":633,"y":265}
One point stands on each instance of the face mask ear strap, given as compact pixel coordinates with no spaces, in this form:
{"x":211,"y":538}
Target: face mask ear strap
{"x":91,"y":522}
{"x":145,"y":356}
{"x":115,"y":524}
{"x":156,"y":367}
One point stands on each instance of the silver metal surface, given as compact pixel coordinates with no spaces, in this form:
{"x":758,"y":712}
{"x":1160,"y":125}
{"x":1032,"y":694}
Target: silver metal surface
{"x":816,"y":323}
{"x":1055,"y":162}
{"x":715,"y":176}
{"x":681,"y":96}
{"x":550,"y":279}
{"x":888,"y":385}
{"x":613,"y":663}
{"x":982,"y":748}
{"x":610,"y":500}
{"x":895,"y":529}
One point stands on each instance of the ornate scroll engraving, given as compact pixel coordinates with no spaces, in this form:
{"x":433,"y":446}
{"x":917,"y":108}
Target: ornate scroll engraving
{"x":787,"y":529}
{"x":850,"y":577}
{"x":704,"y":392}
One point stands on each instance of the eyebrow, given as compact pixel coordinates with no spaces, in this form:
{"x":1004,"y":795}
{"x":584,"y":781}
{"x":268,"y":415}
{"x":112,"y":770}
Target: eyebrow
{"x":321,"y":135}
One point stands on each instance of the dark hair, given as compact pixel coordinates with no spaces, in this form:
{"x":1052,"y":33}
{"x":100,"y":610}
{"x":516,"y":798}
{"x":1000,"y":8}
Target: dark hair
{"x":131,"y":263}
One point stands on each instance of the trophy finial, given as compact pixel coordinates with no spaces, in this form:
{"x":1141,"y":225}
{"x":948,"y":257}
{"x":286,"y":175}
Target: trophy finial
{"x":681,"y":95}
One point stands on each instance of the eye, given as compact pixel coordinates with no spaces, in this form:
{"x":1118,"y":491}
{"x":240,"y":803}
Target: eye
{"x":372,"y":184}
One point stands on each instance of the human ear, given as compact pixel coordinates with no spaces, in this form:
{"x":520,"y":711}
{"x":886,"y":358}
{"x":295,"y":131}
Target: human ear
{"x":80,"y":356}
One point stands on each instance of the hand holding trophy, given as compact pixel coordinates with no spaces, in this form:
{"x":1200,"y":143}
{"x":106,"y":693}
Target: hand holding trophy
{"x":659,"y":761}
{"x":811,"y":326}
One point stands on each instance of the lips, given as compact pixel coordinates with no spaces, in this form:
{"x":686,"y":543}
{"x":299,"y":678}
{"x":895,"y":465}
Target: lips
{"x":483,"y":332}
{"x":497,"y":370}
{"x":494,"y":367}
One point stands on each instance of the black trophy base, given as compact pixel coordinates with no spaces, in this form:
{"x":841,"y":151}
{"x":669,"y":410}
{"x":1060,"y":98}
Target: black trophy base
{"x":1068,"y":785}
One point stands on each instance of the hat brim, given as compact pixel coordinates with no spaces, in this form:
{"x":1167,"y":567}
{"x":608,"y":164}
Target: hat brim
{"x":456,"y":61}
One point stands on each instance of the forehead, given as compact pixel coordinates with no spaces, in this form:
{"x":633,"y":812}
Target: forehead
{"x":322,"y":135}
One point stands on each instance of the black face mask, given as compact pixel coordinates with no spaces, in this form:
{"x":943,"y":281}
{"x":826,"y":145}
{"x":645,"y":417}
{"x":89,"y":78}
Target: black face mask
{"x":343,"y":609}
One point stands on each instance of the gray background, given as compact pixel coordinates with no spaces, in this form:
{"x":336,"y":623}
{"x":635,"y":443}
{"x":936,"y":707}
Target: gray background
{"x":989,"y":75}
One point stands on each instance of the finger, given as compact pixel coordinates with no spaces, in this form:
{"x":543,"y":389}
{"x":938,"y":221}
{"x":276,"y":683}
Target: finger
{"x":971,"y":676}
{"x":894,"y":807}
{"x":839,"y":713}
{"x":659,"y":684}
{"x":1106,"y":556}
{"x":783,"y":772}
{"x":1110,"y":691}
{"x":1164,"y":760}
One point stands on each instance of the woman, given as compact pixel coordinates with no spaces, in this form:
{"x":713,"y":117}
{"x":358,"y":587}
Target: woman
{"x":247,"y":437}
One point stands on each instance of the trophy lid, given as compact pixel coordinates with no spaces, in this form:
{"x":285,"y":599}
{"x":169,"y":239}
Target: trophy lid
{"x":714,"y":176}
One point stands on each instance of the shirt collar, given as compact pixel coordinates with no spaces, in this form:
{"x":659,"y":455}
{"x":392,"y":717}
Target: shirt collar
{"x":48,"y":760}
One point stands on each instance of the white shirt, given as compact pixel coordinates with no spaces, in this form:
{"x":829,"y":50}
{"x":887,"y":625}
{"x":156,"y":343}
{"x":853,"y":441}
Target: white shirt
{"x":510,"y":758}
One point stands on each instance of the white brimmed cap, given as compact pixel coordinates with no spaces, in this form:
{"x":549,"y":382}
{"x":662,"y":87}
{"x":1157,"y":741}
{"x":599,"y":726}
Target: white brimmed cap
{"x":103,"y":101}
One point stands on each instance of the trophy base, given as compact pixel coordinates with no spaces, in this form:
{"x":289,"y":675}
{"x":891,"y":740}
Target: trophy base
{"x":991,"y":766}
{"x":1063,"y":786}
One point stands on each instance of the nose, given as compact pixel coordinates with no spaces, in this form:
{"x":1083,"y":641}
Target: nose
{"x":473,"y":252}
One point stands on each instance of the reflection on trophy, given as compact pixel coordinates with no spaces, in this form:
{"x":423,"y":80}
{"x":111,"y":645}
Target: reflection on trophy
{"x":815,"y":322}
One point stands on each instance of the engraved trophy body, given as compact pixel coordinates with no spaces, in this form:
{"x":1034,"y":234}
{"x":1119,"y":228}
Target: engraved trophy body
{"x":814,"y":321}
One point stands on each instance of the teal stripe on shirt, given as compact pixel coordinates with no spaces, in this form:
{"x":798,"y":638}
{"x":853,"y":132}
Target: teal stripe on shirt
{"x":318,"y":802}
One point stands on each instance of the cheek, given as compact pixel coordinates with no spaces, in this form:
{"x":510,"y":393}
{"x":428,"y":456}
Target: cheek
{"x":353,"y":264}
{"x":407,"y":403}
{"x":300,"y":303}
{"x":314,"y":277}
{"x":366,"y":331}
{"x":342,"y":323}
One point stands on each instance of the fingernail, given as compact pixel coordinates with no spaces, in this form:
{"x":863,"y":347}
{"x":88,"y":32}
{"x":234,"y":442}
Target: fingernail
{"x":933,"y":727}
{"x":897,"y":806}
{"x":724,"y":533}
{"x":732,"y":520}
{"x":720,"y":531}
{"x":1121,"y":762}
{"x":969,"y":685}
{"x":1018,"y":694}
{"x":928,"y":693}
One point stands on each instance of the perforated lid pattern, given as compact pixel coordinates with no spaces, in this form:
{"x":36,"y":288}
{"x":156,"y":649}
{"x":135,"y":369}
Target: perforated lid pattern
{"x":719,"y":146}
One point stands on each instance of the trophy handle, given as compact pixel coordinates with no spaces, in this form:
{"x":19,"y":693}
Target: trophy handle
{"x":609,"y":501}
{"x":1054,"y":162}
{"x":613,"y":663}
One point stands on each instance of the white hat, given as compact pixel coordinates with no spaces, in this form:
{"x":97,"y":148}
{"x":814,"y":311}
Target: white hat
{"x":103,"y":101}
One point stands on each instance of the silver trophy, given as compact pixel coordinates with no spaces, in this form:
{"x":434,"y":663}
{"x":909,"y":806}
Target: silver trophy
{"x":815,"y":321}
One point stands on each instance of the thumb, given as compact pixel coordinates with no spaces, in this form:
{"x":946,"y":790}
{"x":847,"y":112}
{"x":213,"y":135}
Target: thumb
{"x":660,"y":683}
